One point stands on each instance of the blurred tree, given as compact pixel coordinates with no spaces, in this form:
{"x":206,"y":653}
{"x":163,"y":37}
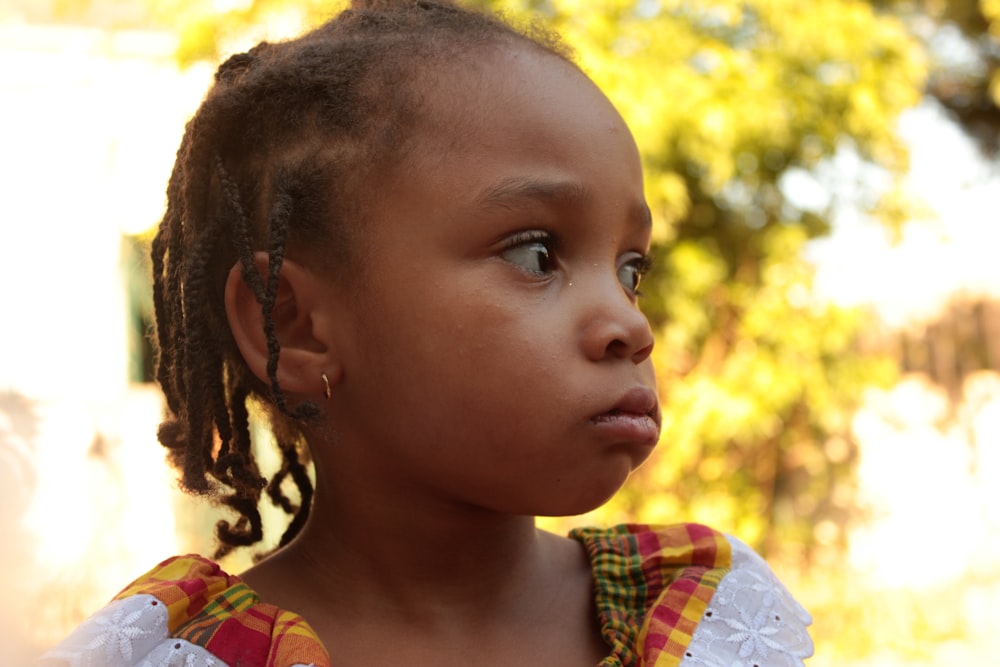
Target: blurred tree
{"x":734,"y":104}
{"x":962,"y":38}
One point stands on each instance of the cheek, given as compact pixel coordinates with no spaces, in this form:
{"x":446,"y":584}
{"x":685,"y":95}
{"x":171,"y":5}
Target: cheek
{"x":458,"y":333}
{"x":505,"y":347}
{"x":465,"y":361}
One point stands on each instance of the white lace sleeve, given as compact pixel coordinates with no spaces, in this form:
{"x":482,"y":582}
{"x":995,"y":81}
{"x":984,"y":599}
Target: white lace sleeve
{"x":752,"y":620}
{"x":131,"y":632}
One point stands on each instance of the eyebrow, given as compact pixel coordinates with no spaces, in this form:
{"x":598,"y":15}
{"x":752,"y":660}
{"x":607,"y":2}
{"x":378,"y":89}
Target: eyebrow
{"x":518,"y":191}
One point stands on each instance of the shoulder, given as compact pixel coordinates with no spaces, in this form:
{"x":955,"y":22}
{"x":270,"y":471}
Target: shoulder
{"x":187,"y":610}
{"x":686,"y":594}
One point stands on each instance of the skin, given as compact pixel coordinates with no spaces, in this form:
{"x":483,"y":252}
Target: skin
{"x":489,"y":364}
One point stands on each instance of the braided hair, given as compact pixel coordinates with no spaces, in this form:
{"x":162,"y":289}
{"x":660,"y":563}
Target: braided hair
{"x":276,"y":159}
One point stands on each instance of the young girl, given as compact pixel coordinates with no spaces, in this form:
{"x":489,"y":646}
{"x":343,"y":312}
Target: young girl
{"x":413,"y":237}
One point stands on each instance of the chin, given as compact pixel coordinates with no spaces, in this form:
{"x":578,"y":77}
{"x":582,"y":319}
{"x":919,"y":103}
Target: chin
{"x":587,"y":500}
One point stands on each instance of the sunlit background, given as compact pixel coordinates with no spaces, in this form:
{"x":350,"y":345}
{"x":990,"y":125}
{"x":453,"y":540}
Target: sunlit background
{"x":832,"y":394}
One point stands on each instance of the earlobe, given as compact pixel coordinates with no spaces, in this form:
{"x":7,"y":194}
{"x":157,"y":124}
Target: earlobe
{"x":307,"y":351}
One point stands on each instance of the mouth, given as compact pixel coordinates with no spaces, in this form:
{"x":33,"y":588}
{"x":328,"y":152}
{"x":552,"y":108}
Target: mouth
{"x":635,"y":416}
{"x":637,"y":402}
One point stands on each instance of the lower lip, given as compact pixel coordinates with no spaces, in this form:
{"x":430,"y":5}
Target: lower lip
{"x":628,"y":428}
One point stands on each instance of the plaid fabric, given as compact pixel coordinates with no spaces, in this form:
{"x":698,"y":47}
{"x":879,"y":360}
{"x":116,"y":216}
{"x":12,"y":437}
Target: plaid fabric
{"x":216,"y":611}
{"x":652,"y":585}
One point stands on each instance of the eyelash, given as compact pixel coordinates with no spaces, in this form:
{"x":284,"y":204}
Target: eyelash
{"x":527,"y":239}
{"x":641,"y":265}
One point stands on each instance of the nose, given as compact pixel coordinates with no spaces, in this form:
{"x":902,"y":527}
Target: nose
{"x":615,"y":328}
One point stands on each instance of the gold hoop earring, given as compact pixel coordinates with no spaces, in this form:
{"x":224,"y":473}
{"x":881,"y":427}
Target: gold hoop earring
{"x":326,"y":386}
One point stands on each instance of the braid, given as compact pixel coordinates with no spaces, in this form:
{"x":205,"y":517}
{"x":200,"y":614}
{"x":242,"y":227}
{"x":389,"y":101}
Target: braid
{"x":278,"y":158}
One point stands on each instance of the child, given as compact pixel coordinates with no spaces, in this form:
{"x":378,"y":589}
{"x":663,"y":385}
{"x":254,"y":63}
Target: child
{"x":414,"y":237}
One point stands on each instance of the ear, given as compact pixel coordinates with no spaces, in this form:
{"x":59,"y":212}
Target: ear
{"x":308,"y":349}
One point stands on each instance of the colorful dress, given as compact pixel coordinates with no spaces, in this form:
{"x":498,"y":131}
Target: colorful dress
{"x":668,"y":596}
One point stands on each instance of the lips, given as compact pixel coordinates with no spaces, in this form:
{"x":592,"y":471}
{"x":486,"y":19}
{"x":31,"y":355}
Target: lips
{"x":634,"y":418}
{"x":639,"y":401}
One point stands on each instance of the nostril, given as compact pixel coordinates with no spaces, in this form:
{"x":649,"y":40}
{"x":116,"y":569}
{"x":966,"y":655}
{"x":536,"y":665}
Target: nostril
{"x":642,"y":354}
{"x":618,"y":348}
{"x":624,"y":350}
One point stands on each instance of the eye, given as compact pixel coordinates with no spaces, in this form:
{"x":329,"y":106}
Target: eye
{"x":531,"y":251}
{"x":631,"y":272}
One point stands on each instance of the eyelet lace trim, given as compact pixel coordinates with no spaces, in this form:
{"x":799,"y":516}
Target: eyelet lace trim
{"x":752,"y":620}
{"x":131,"y":632}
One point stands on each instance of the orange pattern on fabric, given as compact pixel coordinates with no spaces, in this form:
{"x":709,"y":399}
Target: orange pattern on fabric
{"x":652,"y":586}
{"x":218,"y":612}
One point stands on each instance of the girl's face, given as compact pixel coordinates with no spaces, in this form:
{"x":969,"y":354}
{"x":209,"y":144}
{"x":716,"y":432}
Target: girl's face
{"x":494,"y":354}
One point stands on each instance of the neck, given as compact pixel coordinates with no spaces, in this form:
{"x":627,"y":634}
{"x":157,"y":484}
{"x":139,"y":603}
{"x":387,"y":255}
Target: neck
{"x":375,"y":561}
{"x":411,"y":559}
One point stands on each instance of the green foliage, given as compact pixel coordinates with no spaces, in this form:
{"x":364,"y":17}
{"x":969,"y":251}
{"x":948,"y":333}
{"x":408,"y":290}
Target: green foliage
{"x":962,"y":38}
{"x":758,"y":377}
{"x":210,"y":31}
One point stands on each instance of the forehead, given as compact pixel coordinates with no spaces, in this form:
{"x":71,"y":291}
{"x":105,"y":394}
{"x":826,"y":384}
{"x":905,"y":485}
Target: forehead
{"x":520,"y":103}
{"x":513,"y":129}
{"x":514,"y":88}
